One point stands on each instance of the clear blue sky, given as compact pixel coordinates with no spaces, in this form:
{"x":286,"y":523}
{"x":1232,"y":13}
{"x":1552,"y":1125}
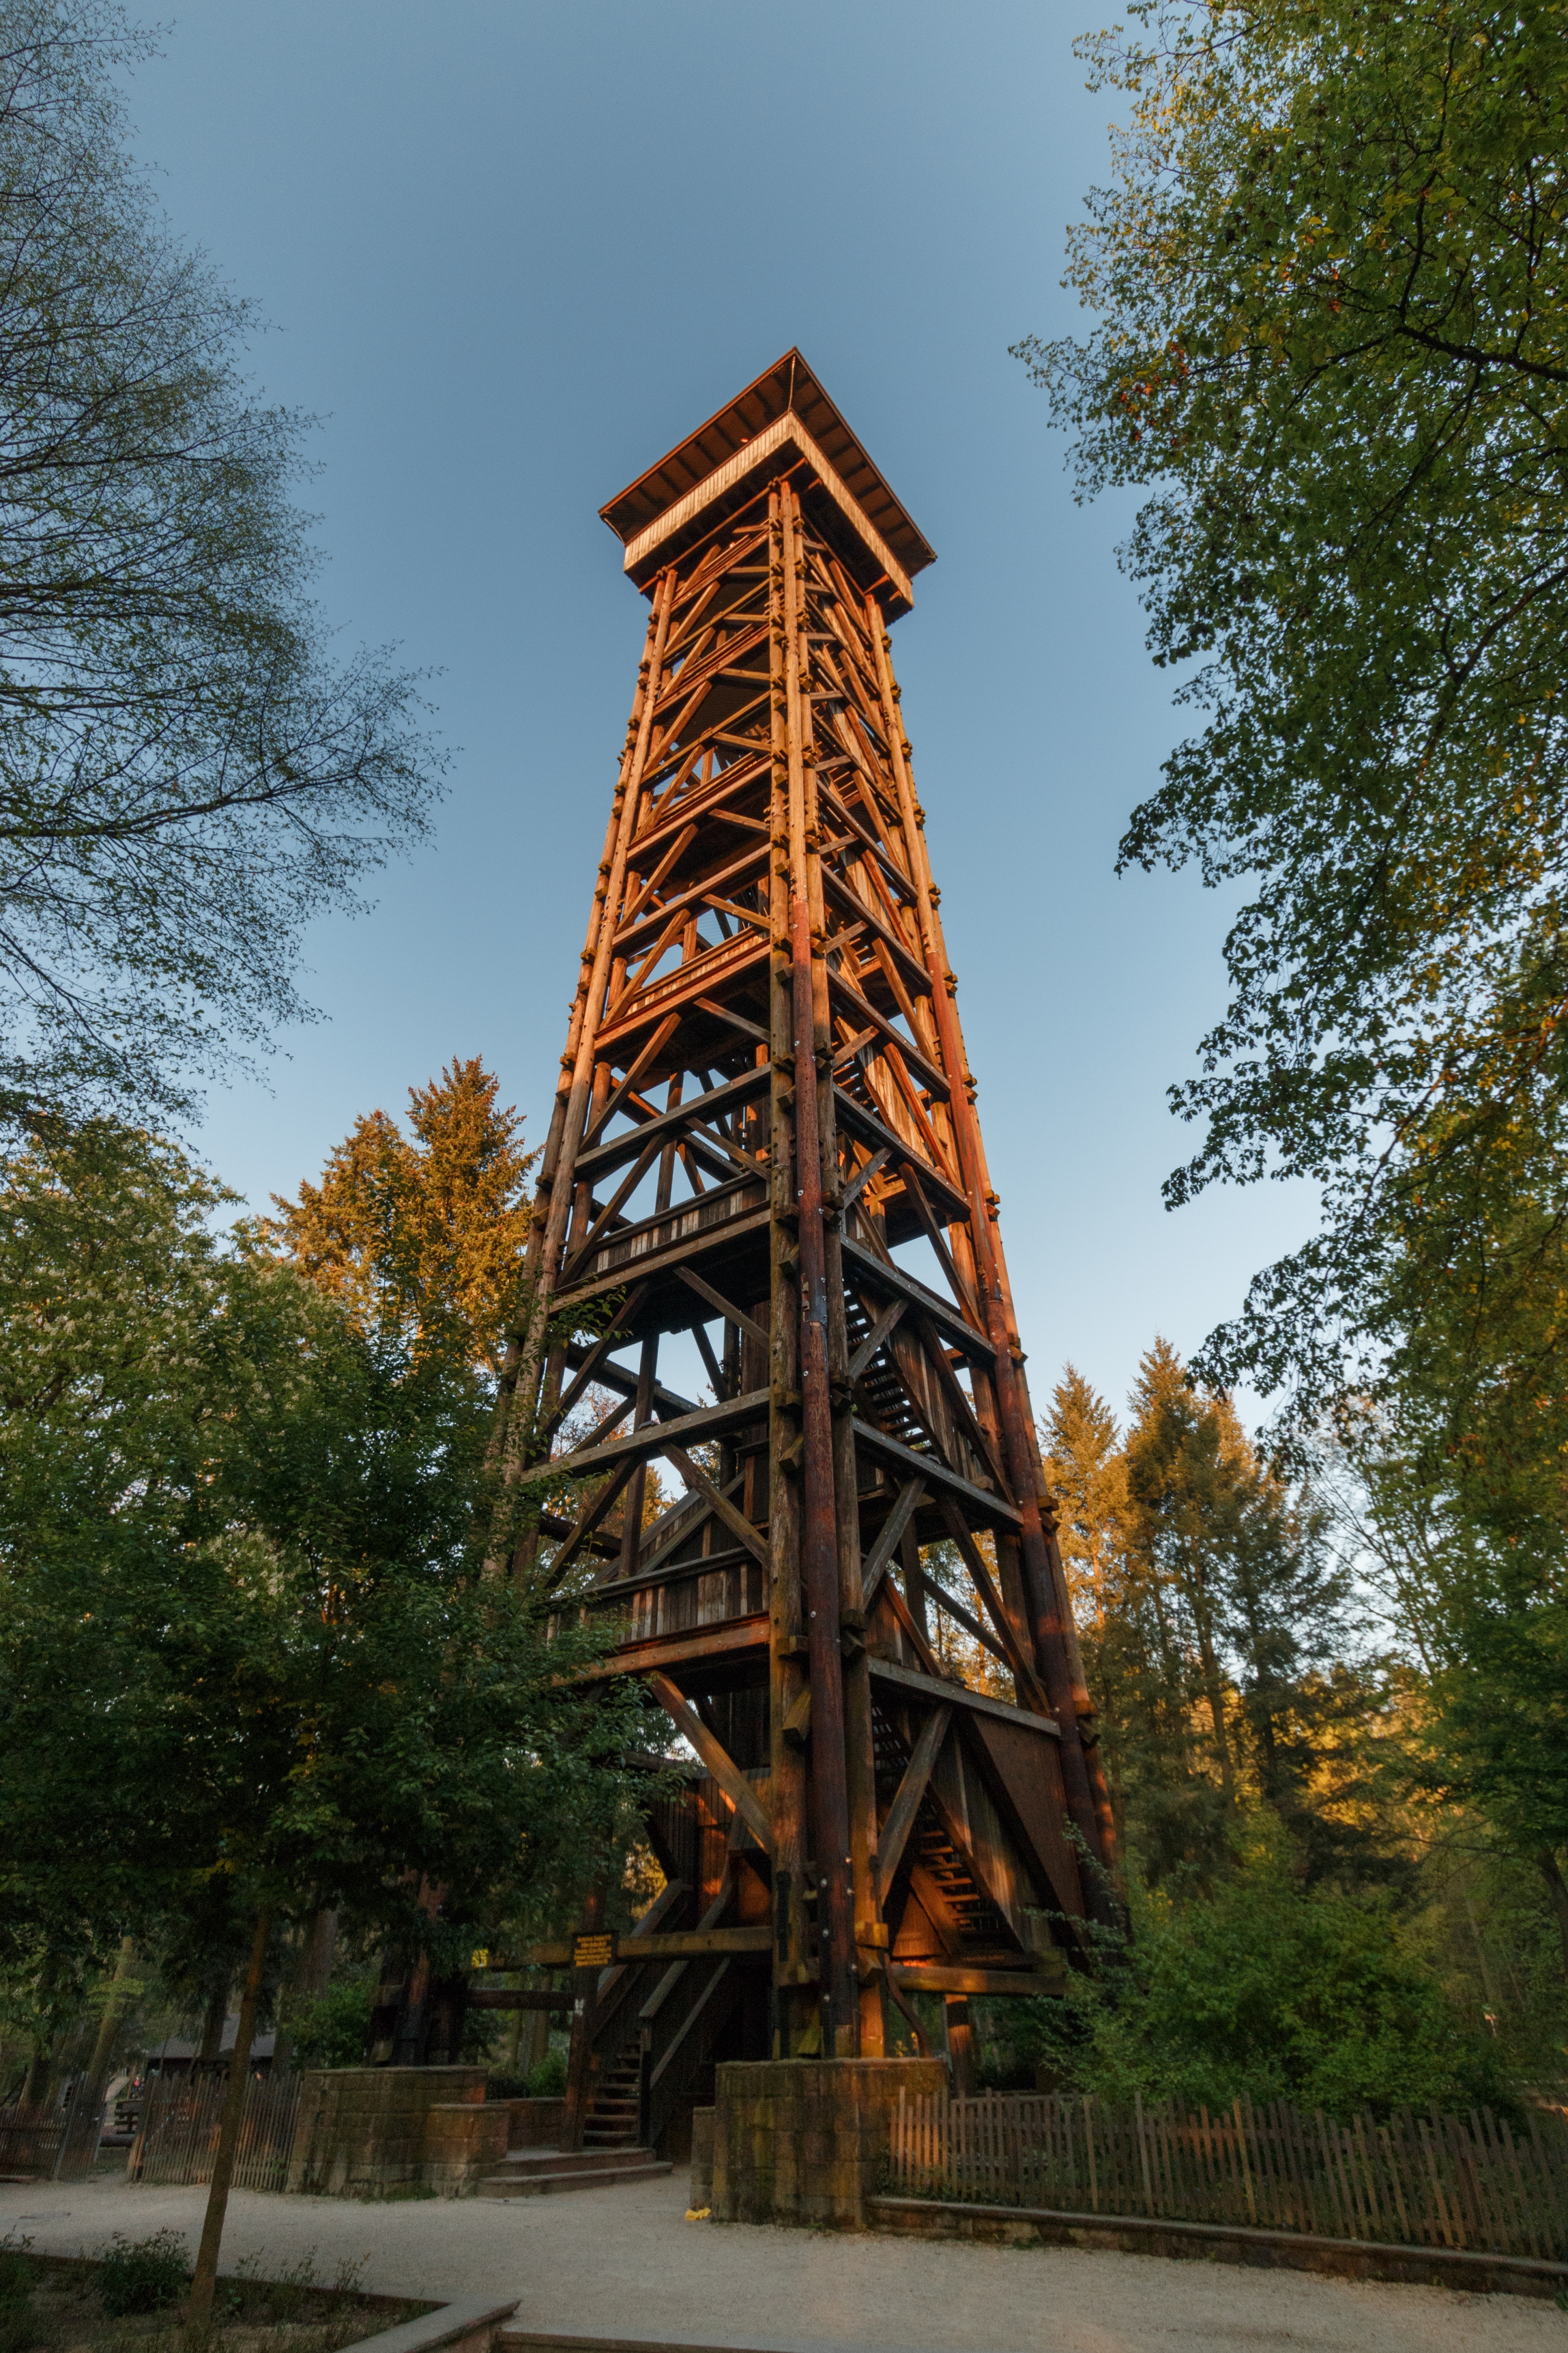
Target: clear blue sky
{"x":511,"y":253}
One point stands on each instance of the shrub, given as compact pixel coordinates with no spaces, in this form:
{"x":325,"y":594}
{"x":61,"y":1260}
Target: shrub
{"x":1272,"y":1991}
{"x":141,"y":2274}
{"x":18,"y":2328}
{"x":548,"y":2081}
{"x":332,"y":2031}
{"x":18,"y":2274}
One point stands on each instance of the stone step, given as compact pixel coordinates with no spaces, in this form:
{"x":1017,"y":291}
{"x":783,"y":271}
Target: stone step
{"x":615,"y":2166}
{"x":521,"y":2162}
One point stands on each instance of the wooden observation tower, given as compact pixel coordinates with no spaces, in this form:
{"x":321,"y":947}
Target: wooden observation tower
{"x":765,"y":1138}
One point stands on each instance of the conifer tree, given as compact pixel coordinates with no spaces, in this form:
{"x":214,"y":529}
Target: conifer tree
{"x":422,"y":1238}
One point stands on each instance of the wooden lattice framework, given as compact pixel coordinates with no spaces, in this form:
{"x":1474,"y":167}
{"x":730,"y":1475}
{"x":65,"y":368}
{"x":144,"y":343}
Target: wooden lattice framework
{"x":764,"y":1097}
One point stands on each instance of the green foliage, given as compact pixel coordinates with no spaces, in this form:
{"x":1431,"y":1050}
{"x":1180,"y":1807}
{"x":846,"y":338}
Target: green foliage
{"x":424,"y":1238}
{"x":18,"y":2278}
{"x":1331,"y":273}
{"x":1272,"y":1990}
{"x":18,"y":2274}
{"x":246,"y":1634}
{"x":1211,"y":1617}
{"x":138,"y":2275}
{"x":548,"y":2080}
{"x":333,"y":2029}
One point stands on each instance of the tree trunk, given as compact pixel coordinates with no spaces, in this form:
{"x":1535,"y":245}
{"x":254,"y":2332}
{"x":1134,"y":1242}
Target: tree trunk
{"x":209,"y":2051}
{"x":323,"y":1947}
{"x":1547,"y":1864}
{"x":37,"y":2075}
{"x":109,"y":2026}
{"x":198,"y":2310}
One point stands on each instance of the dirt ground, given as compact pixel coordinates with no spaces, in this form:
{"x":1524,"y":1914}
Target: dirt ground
{"x":624,"y":2262}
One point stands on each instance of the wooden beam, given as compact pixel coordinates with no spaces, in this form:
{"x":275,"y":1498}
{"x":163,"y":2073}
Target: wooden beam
{"x":880,"y":1275}
{"x":879,"y":1331}
{"x":906,"y":1505}
{"x":529,"y":1998}
{"x":912,"y":1789}
{"x":653,"y":1438}
{"x":588,"y":1519}
{"x":718,"y":1502}
{"x":717,"y":1104}
{"x":861,"y":1179}
{"x":640,"y":1060}
{"x":934,"y":1689}
{"x":596,"y":1356}
{"x":716,"y":1758}
{"x":733,"y":1638}
{"x":932,"y":1468}
{"x":717,"y":1301}
{"x":955,"y":1609}
{"x":938,"y":1977}
{"x":868,"y":1128}
{"x":667,"y":1945}
{"x":1024,"y":1675}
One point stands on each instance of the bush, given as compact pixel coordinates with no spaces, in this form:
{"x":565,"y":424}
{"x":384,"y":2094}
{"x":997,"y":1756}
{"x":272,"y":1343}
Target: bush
{"x":333,"y":2029}
{"x":18,"y":2275}
{"x":1271,"y":1991}
{"x":141,"y":2274}
{"x":18,"y":2328}
{"x":548,"y":2081}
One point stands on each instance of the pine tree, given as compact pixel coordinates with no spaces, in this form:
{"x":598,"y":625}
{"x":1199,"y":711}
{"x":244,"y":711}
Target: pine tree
{"x":1087,"y":1472}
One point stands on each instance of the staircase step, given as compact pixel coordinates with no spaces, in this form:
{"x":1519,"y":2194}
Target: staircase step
{"x":523,"y":2162}
{"x":599,"y":2177}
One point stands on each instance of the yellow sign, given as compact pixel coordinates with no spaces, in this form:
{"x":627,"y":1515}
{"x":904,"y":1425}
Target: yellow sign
{"x":593,"y":1952}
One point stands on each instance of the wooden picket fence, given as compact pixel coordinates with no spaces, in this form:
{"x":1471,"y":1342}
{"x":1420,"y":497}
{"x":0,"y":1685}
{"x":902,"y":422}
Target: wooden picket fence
{"x":1409,"y":2180}
{"x":58,"y":2143}
{"x":176,"y":2139}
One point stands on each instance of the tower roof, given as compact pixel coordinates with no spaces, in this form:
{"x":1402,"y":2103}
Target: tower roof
{"x":778,"y":421}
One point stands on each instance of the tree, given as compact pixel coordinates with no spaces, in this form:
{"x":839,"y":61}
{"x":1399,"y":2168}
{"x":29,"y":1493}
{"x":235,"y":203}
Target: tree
{"x":186,"y":775}
{"x":1087,"y":1472}
{"x":246,"y":1637}
{"x":1332,"y":273}
{"x":1211,"y":1611}
{"x":422,"y":1240}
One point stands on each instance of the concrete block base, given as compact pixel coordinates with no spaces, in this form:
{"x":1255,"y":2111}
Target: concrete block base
{"x":803,"y":2140}
{"x":365,"y":2130}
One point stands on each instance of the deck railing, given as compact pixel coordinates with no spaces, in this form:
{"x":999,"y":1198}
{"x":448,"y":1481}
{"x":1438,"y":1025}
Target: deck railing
{"x":1410,"y":2181}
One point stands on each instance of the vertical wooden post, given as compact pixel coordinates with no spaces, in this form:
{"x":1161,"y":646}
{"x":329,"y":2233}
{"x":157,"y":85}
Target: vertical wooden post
{"x":585,"y":2017}
{"x":819,"y":1533}
{"x":1049,"y":1632}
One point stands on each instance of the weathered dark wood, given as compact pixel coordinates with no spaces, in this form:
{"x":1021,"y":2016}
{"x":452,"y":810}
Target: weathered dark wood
{"x":730,"y":1779}
{"x":765,"y":1046}
{"x":906,"y":1802}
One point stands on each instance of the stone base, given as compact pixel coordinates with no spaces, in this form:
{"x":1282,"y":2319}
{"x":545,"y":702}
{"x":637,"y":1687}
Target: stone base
{"x":803,"y":2140}
{"x":365,"y":2130}
{"x":536,"y":2124}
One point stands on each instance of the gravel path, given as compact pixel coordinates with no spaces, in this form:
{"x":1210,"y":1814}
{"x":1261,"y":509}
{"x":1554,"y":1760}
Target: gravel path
{"x":625,"y":2262}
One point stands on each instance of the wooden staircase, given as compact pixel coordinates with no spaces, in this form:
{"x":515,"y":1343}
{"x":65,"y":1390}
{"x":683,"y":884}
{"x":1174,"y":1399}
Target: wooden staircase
{"x":614,"y":2104}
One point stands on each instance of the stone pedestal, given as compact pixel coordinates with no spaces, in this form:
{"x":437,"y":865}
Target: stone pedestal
{"x":536,"y":2124}
{"x":803,"y":2140}
{"x":365,"y":2130}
